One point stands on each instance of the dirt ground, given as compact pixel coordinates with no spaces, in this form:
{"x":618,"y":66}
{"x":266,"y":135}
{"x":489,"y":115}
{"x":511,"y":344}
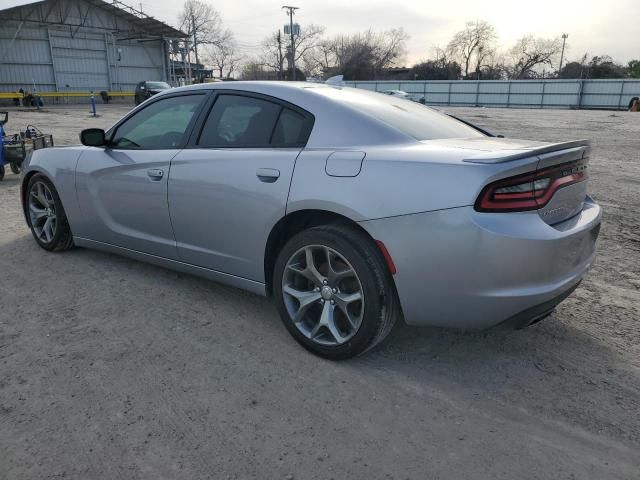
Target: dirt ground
{"x":115,"y":369}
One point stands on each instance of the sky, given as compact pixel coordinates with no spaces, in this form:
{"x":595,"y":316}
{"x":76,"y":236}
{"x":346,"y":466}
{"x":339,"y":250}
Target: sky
{"x":594,"y":26}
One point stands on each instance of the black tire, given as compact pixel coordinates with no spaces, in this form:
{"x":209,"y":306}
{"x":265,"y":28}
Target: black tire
{"x":62,"y":239}
{"x":15,"y":168}
{"x":1,"y":172}
{"x":381,"y":306}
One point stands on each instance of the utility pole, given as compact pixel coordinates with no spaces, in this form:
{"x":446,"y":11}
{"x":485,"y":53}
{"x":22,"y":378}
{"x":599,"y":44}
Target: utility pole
{"x":564,"y":41}
{"x":195,"y":44}
{"x":280,"y":60}
{"x":292,"y":11}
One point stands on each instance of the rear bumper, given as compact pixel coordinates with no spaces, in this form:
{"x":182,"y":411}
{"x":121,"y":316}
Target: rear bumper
{"x":464,"y":269}
{"x":539,"y":312}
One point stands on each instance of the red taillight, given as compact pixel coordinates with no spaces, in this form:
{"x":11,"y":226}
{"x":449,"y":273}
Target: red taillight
{"x":530,"y":191}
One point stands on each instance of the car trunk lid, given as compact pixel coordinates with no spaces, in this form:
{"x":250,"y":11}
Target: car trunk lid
{"x":565,"y":164}
{"x":558,"y":180}
{"x":491,"y":150}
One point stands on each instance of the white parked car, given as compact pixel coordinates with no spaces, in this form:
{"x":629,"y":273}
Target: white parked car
{"x":397,"y":93}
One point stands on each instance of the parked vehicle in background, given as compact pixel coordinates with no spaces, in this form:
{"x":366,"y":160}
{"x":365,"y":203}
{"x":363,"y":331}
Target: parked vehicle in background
{"x":407,"y":96}
{"x":350,"y":208}
{"x":397,"y":93}
{"x":148,"y":89}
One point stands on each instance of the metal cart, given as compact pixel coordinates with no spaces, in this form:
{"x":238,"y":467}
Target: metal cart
{"x":16,"y":147}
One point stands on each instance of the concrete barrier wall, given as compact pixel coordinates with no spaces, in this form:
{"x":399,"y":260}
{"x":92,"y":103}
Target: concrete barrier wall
{"x":608,"y":94}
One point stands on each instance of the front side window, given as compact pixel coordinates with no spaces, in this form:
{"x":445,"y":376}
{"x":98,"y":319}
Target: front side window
{"x":239,"y":121}
{"x":163,"y":124}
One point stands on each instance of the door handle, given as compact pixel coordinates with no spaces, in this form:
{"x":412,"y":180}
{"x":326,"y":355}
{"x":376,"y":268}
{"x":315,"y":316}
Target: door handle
{"x":268,"y":175}
{"x":155,"y":173}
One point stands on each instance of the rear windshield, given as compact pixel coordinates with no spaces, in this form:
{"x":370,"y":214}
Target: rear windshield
{"x":411,"y":118}
{"x":158,"y":85}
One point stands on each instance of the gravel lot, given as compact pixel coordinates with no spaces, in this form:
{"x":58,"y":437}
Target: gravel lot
{"x":115,"y":369}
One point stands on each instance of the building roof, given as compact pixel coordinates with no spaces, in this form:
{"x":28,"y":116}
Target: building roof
{"x":138,"y":19}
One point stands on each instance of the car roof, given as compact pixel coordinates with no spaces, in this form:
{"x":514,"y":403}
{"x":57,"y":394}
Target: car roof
{"x":333,"y":117}
{"x":254,"y":85}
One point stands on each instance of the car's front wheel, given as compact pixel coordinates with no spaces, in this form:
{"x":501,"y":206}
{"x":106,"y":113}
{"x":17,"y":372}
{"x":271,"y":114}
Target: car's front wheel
{"x":334,"y":292}
{"x":46,"y":216}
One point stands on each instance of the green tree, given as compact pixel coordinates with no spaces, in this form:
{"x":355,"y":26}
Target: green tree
{"x":605,"y":67}
{"x":633,"y":69}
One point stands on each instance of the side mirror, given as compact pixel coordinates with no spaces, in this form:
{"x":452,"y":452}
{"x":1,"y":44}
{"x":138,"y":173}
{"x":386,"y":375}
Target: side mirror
{"x":93,"y":137}
{"x":4,"y":117}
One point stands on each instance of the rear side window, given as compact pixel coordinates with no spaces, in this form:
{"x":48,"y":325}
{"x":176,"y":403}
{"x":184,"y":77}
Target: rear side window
{"x":239,"y":121}
{"x":291,"y":129}
{"x":411,"y":118}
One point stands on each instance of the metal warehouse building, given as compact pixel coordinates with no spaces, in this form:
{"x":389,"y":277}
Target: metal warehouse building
{"x":82,"y":45}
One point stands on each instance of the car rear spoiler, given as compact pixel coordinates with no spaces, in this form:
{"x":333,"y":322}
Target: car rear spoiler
{"x":502,"y":156}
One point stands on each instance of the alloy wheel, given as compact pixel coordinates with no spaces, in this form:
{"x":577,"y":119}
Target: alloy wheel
{"x":323,"y":295}
{"x":42,"y":212}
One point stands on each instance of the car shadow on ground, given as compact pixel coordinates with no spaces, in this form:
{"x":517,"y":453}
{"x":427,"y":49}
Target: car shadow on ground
{"x":553,"y":367}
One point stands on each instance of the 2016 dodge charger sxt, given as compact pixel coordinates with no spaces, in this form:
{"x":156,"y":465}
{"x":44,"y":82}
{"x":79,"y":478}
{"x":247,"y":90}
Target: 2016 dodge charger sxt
{"x":351,"y":208}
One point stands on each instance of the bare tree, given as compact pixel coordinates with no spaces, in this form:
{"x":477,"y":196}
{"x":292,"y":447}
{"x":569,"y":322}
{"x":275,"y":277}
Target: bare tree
{"x":273,"y":55}
{"x":360,"y":55}
{"x":203,"y":24}
{"x":307,"y":43}
{"x":472,"y":44}
{"x":255,"y":69}
{"x":321,"y":59}
{"x":224,"y":58}
{"x":390,"y":47}
{"x":530,"y":53}
{"x":277,"y":49}
{"x":365,"y":55}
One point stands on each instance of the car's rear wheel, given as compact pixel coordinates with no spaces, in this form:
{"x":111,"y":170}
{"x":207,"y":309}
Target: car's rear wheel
{"x":1,"y":172}
{"x":46,"y":216}
{"x":334,"y":292}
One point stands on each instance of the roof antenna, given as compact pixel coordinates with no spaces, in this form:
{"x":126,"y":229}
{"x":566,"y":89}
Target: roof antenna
{"x":337,"y":81}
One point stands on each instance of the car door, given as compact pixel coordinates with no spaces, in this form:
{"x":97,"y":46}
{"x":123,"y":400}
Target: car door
{"x":229,"y":187}
{"x":122,"y":189}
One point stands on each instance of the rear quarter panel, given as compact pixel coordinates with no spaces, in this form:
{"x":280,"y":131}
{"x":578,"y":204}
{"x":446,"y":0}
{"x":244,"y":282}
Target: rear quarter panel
{"x":395,"y":180}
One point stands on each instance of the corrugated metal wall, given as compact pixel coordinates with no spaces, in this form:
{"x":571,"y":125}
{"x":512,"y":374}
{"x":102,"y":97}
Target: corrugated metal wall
{"x":25,"y":59}
{"x":80,"y":62}
{"x":59,"y":59}
{"x":138,"y":61}
{"x":613,"y":94}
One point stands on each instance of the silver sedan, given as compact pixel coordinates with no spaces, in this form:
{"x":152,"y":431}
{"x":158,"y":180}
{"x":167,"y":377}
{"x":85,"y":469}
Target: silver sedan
{"x":351,"y":209}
